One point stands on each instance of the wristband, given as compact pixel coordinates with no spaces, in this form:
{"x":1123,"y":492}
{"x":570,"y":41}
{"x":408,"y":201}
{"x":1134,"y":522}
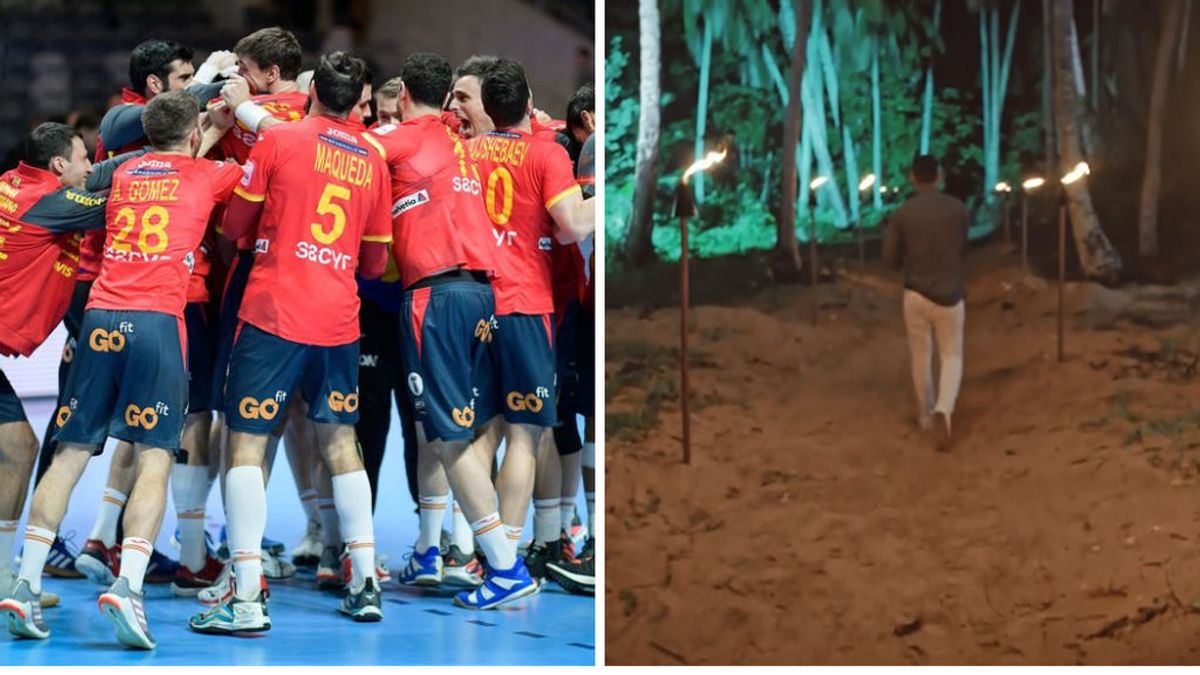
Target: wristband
{"x":250,"y":114}
{"x":206,"y":73}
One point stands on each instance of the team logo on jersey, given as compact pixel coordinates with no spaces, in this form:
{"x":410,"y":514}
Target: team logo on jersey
{"x":146,"y":418}
{"x":518,"y":402}
{"x":189,"y":261}
{"x":106,"y":341}
{"x":68,"y":354}
{"x":247,"y":173}
{"x":339,"y":402}
{"x":251,"y":408}
{"x":463,"y":417}
{"x":483,"y":330}
{"x":408,"y":202}
{"x":544,"y":243}
{"x":61,"y":417}
{"x":415,"y":384}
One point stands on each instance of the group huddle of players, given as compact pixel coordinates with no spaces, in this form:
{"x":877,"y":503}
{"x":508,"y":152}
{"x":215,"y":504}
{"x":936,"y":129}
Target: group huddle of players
{"x":248,"y":260}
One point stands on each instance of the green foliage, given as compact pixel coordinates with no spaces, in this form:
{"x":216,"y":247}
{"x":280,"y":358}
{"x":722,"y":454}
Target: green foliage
{"x":620,"y":143}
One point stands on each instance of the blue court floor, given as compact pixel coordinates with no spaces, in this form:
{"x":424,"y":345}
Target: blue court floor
{"x":420,"y":627}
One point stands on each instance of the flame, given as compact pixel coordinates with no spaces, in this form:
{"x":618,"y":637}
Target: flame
{"x":1081,"y":169}
{"x":1034,"y":183}
{"x":703,"y":164}
{"x":1003,"y":186}
{"x":867,"y":181}
{"x":818,"y":182}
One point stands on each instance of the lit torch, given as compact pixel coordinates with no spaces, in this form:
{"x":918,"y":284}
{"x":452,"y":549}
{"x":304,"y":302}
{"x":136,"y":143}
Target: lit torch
{"x":685,"y":207}
{"x":1027,"y":187}
{"x":1074,"y":175}
{"x":813,"y":186}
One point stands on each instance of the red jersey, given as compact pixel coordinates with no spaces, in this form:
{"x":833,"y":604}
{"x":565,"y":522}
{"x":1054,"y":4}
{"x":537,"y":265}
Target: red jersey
{"x":523,"y":178}
{"x":438,"y":219}
{"x":325,"y":187}
{"x":570,"y":280}
{"x":38,"y":256}
{"x":157,"y":214}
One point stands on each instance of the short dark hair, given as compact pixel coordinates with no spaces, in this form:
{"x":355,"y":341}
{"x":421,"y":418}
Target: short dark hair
{"x":169,"y":117}
{"x":272,"y":46}
{"x":476,"y":66}
{"x":584,"y":98}
{"x":505,"y":93}
{"x":925,"y":169}
{"x":427,"y":78}
{"x":339,"y":80}
{"x":47,"y":141}
{"x":154,"y":57}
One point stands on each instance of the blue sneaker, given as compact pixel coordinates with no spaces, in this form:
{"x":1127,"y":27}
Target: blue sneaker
{"x":161,"y":569}
{"x":271,"y":546}
{"x":61,"y":560}
{"x":500,"y":587}
{"x":423,"y":569}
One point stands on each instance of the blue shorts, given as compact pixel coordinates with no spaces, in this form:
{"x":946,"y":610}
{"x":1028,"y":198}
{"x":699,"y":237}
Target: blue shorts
{"x":128,"y":381}
{"x":201,"y":342}
{"x":265,"y":369}
{"x":524,"y":354}
{"x":227,"y":325}
{"x":445,"y":330}
{"x":11,"y":409}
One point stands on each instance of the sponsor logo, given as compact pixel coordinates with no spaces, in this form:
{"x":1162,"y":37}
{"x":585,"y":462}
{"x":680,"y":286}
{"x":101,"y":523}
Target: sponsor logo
{"x":247,"y":173}
{"x":104,"y":341}
{"x":339,"y":402}
{"x":61,"y":417}
{"x":146,"y":418}
{"x":464,"y":417}
{"x":483,"y":330}
{"x":408,"y":202}
{"x":261,"y":245}
{"x":68,"y":354}
{"x":504,"y":237}
{"x":415,"y":384}
{"x":322,"y":255}
{"x":251,"y":408}
{"x":543,"y":243}
{"x":467,"y":185}
{"x":518,"y":402}
{"x":368,"y":360}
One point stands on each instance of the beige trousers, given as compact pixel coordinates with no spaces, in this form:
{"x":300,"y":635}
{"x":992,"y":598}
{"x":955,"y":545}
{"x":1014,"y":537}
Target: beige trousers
{"x":928,"y":324}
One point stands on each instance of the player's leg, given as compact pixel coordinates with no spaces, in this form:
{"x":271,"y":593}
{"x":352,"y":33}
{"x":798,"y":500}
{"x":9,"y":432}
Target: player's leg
{"x":329,"y":568}
{"x":577,"y":574}
{"x":18,"y":450}
{"x":299,"y":444}
{"x":100,"y":559}
{"x":377,"y":373}
{"x":425,"y":566}
{"x":547,"y":511}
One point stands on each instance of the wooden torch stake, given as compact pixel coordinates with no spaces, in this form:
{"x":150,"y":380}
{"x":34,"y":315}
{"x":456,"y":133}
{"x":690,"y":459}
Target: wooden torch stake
{"x":812,"y":260}
{"x":1062,"y":272}
{"x":683,"y":340}
{"x":1025,"y":230}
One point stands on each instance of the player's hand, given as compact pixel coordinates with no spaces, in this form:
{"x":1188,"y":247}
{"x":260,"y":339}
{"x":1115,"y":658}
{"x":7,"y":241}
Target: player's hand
{"x":542,"y":117}
{"x":235,"y":91}
{"x":221,"y":116}
{"x":217,"y":63}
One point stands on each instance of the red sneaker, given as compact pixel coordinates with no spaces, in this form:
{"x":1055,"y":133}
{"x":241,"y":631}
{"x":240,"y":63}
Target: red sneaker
{"x":188,"y":584}
{"x":98,"y":562}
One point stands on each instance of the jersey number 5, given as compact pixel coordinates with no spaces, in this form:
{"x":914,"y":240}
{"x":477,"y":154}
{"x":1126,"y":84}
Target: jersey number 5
{"x":153,"y":224}
{"x":326,"y":207}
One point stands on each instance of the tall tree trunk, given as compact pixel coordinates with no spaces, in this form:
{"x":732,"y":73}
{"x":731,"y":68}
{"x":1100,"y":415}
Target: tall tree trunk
{"x":1183,"y":35}
{"x":785,"y":239}
{"x":702,"y":107}
{"x":805,"y":161}
{"x":876,"y":128}
{"x":1091,"y":141}
{"x":1097,"y":256}
{"x":986,"y":93}
{"x":641,"y":250}
{"x":852,"y":192}
{"x":1152,"y":179}
{"x":1048,"y":85}
{"x":927,"y":108}
{"x":1096,"y":57}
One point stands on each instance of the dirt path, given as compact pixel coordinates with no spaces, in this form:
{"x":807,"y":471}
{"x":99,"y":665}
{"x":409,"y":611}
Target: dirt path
{"x":817,"y":525}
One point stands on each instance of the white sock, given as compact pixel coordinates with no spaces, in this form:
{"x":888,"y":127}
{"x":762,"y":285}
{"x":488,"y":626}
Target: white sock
{"x":187,"y":484}
{"x":432,"y":513}
{"x":308,"y":500}
{"x":546,"y":520}
{"x":513,"y":535}
{"x":135,"y":557}
{"x":247,"y":508}
{"x":37,"y":548}
{"x":8,"y":532}
{"x":352,"y":492}
{"x":461,"y":533}
{"x":566,"y":512}
{"x":490,"y":532}
{"x":591,"y":509}
{"x":105,"y":527}
{"x":331,"y":534}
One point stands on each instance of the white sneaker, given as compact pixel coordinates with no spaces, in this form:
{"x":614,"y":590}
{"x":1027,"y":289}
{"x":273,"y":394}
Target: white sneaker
{"x":307,"y":553}
{"x":8,"y":582}
{"x":382,"y":572}
{"x":275,"y":567}
{"x":219,"y":592}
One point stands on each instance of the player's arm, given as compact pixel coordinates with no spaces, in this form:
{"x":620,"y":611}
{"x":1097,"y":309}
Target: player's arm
{"x":372,"y":259}
{"x":246,"y":204}
{"x":214,"y":123}
{"x":241,"y":216}
{"x":574,"y":215}
{"x":68,"y":210}
{"x":121,"y":126}
{"x":102,"y":172}
{"x":377,"y":235}
{"x":236,"y":94}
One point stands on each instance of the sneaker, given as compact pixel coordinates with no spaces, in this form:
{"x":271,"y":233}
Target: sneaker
{"x":329,"y":569}
{"x":221,"y":591}
{"x":941,"y":430}
{"x":576,"y":575}
{"x":98,"y":562}
{"x":276,"y":548}
{"x":423,"y":569}
{"x":235,"y":615}
{"x":8,"y":582}
{"x":365,"y":605}
{"x":537,"y":557}
{"x":578,"y":531}
{"x":308,"y":552}
{"x":61,"y":561}
{"x":127,"y":612}
{"x":461,"y":569}
{"x":161,"y":569}
{"x":188,"y":584}
{"x":499,"y":588}
{"x":23,"y":612}
{"x":275,"y":567}
{"x":382,"y":571}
